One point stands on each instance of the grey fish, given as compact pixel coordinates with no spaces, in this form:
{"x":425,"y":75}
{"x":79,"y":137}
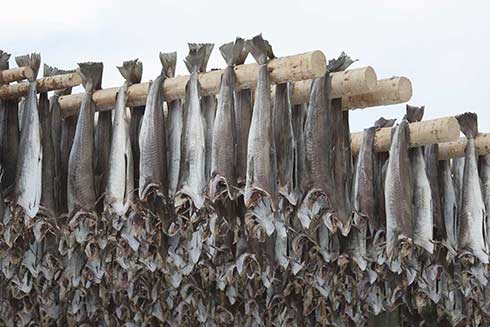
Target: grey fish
{"x":103,"y":134}
{"x":175,"y":122}
{"x":243,"y":118}
{"x":29,"y":164}
{"x":484,"y":170}
{"x":472,"y":232}
{"x":120,"y":182}
{"x":224,"y":156}
{"x":81,"y":178}
{"x":299,"y":174}
{"x":48,"y":194}
{"x":423,"y":220}
{"x":398,"y":190}
{"x":152,"y":139}
{"x":9,"y":120}
{"x":457,"y":169}
{"x":192,"y":181}
{"x":431,"y":158}
{"x":284,"y":141}
{"x":449,"y":204}
{"x":261,"y":165}
{"x":68,"y":128}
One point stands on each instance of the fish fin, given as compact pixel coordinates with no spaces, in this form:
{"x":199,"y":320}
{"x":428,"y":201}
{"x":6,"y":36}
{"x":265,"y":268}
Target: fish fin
{"x":232,"y":51}
{"x":383,"y":122}
{"x":91,"y":73}
{"x":243,"y":55}
{"x":169,"y":62}
{"x":341,"y":63}
{"x":4,"y":60}
{"x":260,"y":49}
{"x":468,"y":122}
{"x":414,"y":114}
{"x":197,"y":54}
{"x":33,"y":61}
{"x":208,"y":48}
{"x":131,"y":70}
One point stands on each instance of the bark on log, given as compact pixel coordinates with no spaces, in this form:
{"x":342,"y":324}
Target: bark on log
{"x":457,"y":148}
{"x":421,"y":133}
{"x":45,"y":84}
{"x":15,"y":74}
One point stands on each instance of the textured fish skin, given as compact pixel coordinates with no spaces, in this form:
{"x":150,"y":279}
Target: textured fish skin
{"x":422,"y":195}
{"x":261,"y":165}
{"x":9,"y":138}
{"x":120,"y":183}
{"x":471,"y":234}
{"x":223,"y":153}
{"x":103,"y":134}
{"x":48,"y":197}
{"x":484,"y":170}
{"x":243,"y":118}
{"x":175,"y":122}
{"x":398,"y":190}
{"x":81,"y":183}
{"x":284,"y":141}
{"x":29,"y":164}
{"x":449,"y":203}
{"x":152,"y":140}
{"x":300,"y":176}
{"x":457,"y":169}
{"x":431,"y":158}
{"x":68,"y":128}
{"x":192,"y":181}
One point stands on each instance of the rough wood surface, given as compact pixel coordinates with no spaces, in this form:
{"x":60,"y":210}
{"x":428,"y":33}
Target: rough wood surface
{"x":457,"y":148}
{"x":15,"y":74}
{"x":45,"y":84}
{"x":421,"y":133}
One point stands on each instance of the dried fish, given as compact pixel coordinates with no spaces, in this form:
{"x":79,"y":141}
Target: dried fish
{"x":432,"y":167}
{"x":224,"y":156}
{"x":449,"y":204}
{"x":471,"y":234}
{"x":484,"y":170}
{"x":29,"y":165}
{"x":81,"y":187}
{"x":103,"y":136}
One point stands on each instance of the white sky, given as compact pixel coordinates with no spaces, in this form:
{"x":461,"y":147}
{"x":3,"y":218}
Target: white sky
{"x":442,"y":46}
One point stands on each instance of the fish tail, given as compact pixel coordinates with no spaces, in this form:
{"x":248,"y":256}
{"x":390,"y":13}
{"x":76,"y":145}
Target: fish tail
{"x":243,"y":55}
{"x":169,"y":62}
{"x":131,"y":70}
{"x":197,"y":54}
{"x":383,"y":122}
{"x":33,"y":61}
{"x":91,"y":73}
{"x":260,"y":49}
{"x":468,"y":122}
{"x":208,"y":48}
{"x":341,"y":63}
{"x":4,"y":60}
{"x":414,"y":114}
{"x":232,"y":51}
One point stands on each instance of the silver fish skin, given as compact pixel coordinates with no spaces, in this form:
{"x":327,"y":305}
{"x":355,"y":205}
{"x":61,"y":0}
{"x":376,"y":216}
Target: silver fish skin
{"x":471,"y":234}
{"x":48,"y":193}
{"x":81,"y":178}
{"x":68,"y":128}
{"x":223,"y":152}
{"x":120,"y":182}
{"x":192,"y":181}
{"x":484,"y":170}
{"x":300,"y":177}
{"x":284,"y":142}
{"x":398,"y":191}
{"x":103,"y":134}
{"x":457,"y":168}
{"x":423,"y":220}
{"x":431,"y":158}
{"x":152,"y":140}
{"x":261,"y":165}
{"x":449,"y":204}
{"x":29,"y":164}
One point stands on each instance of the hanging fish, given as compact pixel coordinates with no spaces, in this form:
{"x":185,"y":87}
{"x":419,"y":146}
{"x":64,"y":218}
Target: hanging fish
{"x":472,"y":227}
{"x":432,"y":168}
{"x":192,"y":181}
{"x":81,"y":183}
{"x":449,"y":204}
{"x":152,"y":139}
{"x":103,"y":135}
{"x":120,"y":182}
{"x":422,"y":195}
{"x":175,"y":121}
{"x":9,"y":120}
{"x":224,"y":156}
{"x":484,"y":169}
{"x":29,"y":165}
{"x":299,"y":173}
{"x":398,"y":191}
{"x":457,"y":169}
{"x":68,"y":128}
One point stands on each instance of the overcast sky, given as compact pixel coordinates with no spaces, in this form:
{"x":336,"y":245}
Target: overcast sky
{"x":442,"y":46}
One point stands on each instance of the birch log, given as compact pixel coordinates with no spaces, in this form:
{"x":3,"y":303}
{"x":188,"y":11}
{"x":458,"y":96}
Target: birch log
{"x":421,"y":133}
{"x":457,"y":148}
{"x":15,"y":74}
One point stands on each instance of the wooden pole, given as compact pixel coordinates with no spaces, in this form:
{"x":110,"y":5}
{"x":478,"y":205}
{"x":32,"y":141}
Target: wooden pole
{"x":457,"y":148}
{"x":15,"y":74}
{"x":421,"y":133}
{"x":388,"y":91}
{"x":345,"y":83}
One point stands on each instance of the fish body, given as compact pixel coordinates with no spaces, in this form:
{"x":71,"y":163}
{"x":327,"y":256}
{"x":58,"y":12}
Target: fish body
{"x":29,"y":165}
{"x":472,"y":229}
{"x":103,"y":134}
{"x":457,"y":169}
{"x":48,"y":197}
{"x":484,"y":170}
{"x":67,"y":135}
{"x":431,"y":158}
{"x":299,"y":175}
{"x":449,"y":204}
{"x":81,"y":183}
